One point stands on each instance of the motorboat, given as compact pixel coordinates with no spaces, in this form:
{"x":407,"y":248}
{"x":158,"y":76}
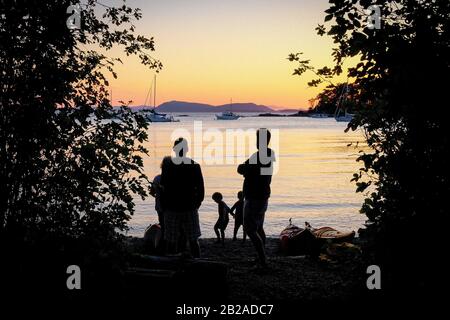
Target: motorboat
{"x":227,"y":115}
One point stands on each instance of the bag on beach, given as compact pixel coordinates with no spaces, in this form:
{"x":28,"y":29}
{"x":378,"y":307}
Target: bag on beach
{"x":153,"y":241}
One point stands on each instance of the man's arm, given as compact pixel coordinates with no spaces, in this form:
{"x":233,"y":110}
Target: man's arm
{"x":243,"y":168}
{"x":251,"y":167}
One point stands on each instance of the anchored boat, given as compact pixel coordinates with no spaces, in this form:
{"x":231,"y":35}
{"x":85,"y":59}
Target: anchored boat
{"x":228,"y":115}
{"x":152,"y":115}
{"x":346,"y":117}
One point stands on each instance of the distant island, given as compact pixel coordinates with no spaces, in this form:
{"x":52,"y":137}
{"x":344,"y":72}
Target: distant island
{"x":182,"y":106}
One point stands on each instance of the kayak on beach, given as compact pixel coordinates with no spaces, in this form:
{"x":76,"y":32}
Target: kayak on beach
{"x":298,"y":241}
{"x":327,"y":233}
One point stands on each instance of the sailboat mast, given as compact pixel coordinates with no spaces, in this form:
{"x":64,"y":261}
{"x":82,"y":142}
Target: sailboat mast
{"x":154,"y":93}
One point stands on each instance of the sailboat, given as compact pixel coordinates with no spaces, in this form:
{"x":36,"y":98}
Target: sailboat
{"x":154,"y":116}
{"x":228,"y":115}
{"x":346,"y":117}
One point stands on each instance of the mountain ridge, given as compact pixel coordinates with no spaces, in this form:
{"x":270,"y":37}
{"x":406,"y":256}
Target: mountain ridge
{"x":183,"y":106}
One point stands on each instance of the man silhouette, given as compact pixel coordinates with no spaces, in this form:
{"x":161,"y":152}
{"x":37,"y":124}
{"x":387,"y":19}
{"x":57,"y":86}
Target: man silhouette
{"x":257,"y":172}
{"x":183,"y":186}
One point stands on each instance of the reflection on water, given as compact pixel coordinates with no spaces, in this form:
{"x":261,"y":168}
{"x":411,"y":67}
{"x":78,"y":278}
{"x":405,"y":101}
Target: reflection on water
{"x":312,"y":183}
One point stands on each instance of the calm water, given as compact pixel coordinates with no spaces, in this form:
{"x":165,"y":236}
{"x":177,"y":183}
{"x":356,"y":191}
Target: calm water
{"x":312,"y":184}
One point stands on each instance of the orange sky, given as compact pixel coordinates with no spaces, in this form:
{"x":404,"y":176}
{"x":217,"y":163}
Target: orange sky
{"x":214,"y":50}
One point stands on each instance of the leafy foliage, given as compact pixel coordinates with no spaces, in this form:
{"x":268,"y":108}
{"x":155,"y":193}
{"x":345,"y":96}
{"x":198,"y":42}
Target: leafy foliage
{"x":70,"y":163}
{"x":401,"y":107}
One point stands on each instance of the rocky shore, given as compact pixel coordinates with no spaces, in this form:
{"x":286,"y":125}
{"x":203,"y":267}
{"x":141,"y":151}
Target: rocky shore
{"x":333,"y":276}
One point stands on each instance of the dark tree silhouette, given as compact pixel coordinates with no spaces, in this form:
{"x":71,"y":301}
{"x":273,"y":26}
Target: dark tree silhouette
{"x":69,"y":162}
{"x":401,"y":107}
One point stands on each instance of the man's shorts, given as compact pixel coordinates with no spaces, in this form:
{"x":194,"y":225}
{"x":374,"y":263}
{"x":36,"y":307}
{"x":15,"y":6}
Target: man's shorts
{"x":254,"y":213}
{"x":178,"y":223}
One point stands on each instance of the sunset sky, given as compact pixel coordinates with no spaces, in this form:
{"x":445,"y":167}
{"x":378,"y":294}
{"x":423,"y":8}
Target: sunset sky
{"x":214,"y":50}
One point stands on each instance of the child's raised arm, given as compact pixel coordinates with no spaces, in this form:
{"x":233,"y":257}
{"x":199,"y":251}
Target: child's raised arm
{"x":233,"y":208}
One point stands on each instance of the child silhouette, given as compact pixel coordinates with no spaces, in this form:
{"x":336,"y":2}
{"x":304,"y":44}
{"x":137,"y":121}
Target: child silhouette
{"x":222,"y":221}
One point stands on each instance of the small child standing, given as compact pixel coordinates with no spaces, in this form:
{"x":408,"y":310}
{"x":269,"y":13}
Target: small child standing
{"x":238,"y":215}
{"x":222,"y":221}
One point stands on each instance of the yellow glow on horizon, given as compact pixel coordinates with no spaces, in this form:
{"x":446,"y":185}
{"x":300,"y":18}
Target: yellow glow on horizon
{"x":213,"y":51}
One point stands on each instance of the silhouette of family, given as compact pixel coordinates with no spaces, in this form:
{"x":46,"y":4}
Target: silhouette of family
{"x":179,"y":192}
